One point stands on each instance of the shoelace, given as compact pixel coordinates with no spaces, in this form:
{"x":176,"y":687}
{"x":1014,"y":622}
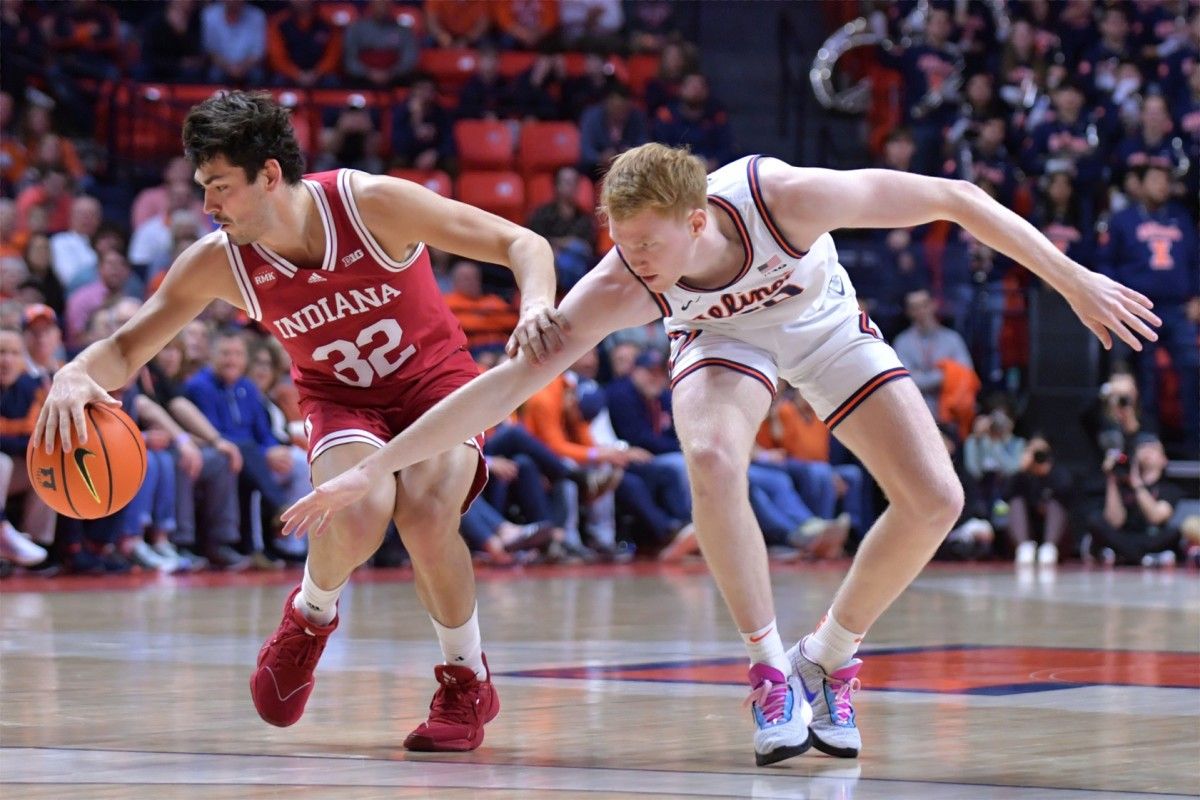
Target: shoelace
{"x":842,"y":709}
{"x":302,"y":648}
{"x":453,"y":704}
{"x":770,"y":697}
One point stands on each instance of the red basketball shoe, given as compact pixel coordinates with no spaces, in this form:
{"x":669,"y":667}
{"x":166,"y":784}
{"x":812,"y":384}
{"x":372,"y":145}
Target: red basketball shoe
{"x":284,"y":678}
{"x":460,"y":708}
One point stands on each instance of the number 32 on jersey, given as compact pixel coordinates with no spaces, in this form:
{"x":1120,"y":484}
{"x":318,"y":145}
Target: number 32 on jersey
{"x":379,"y":342}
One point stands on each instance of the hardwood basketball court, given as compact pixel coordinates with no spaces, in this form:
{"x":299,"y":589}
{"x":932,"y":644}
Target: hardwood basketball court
{"x":982,"y":682}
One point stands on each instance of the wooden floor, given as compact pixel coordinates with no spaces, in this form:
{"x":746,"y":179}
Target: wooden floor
{"x":615,"y":683}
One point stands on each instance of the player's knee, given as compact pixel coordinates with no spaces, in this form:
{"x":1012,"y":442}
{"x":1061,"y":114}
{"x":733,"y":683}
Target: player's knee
{"x":944,"y":503}
{"x":714,"y":462}
{"x":429,"y":510}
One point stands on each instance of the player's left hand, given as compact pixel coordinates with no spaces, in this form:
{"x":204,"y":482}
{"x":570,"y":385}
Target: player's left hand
{"x":311,"y":513}
{"x":539,"y":332}
{"x":1106,"y":307}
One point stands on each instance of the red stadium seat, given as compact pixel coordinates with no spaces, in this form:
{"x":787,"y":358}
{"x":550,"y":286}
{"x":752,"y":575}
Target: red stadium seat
{"x":450,"y":67}
{"x":339,"y":14}
{"x":539,"y":190}
{"x":641,"y":68}
{"x":432,"y":179}
{"x":513,"y":63}
{"x":502,"y":193}
{"x":483,"y":144}
{"x":546,"y":146}
{"x":412,"y":17}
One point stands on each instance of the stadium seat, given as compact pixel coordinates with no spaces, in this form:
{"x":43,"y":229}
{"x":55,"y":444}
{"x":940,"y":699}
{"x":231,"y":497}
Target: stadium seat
{"x":412,"y":17}
{"x":502,"y":193}
{"x":641,"y":68}
{"x":546,"y":146}
{"x":539,"y":190}
{"x":483,"y":144}
{"x":338,"y":14}
{"x":450,"y":67}
{"x":432,"y":179}
{"x":513,"y":63}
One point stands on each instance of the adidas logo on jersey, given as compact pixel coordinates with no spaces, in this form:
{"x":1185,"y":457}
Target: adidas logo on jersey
{"x":316,"y":277}
{"x":350,"y":259}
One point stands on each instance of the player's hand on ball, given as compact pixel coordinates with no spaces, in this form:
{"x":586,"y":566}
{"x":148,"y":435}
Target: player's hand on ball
{"x":539,"y":332}
{"x":70,"y":392}
{"x":1105,"y":306}
{"x":312,"y":512}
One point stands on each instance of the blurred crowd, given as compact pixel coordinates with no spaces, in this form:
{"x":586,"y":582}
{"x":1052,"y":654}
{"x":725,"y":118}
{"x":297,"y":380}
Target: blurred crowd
{"x":1085,"y":119}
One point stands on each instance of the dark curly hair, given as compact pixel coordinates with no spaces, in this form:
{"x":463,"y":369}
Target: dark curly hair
{"x":245,"y":127}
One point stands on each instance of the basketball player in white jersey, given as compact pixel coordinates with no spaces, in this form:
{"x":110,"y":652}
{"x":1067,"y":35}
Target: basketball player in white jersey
{"x":745,"y":274}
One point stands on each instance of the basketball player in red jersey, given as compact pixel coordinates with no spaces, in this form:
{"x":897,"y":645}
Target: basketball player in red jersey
{"x":335,"y":266}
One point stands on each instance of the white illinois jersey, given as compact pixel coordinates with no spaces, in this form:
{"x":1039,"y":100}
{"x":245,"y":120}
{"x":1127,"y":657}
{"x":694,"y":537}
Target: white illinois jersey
{"x":789,"y":313}
{"x":778,"y":282}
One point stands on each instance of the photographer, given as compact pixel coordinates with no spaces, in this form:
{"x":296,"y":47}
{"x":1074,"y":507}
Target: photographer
{"x":1038,"y":495}
{"x":992,"y":455}
{"x":1138,"y":505}
{"x":1120,"y":421}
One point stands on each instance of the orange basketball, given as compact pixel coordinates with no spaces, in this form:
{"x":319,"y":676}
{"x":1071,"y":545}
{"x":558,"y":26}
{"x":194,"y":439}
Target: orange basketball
{"x":95,"y":479}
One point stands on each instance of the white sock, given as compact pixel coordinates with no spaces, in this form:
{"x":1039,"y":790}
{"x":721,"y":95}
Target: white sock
{"x":316,"y":604}
{"x":463,"y":646}
{"x":830,"y":645}
{"x":765,"y":647}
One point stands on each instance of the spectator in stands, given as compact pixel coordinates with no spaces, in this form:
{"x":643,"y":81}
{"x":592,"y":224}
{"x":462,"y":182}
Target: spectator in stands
{"x":12,"y":149}
{"x":1098,"y":64}
{"x":1059,"y":215}
{"x":72,"y":254}
{"x":1022,"y":65}
{"x":653,"y":25}
{"x":697,"y":120}
{"x":621,"y":356}
{"x":207,"y":501}
{"x":302,"y":48}
{"x":1038,"y":498}
{"x":538,"y":91}
{"x":352,"y":141}
{"x":153,"y":241}
{"x":899,"y":267}
{"x":13,"y":240}
{"x":570,"y":229}
{"x":606,"y":130}
{"x":45,"y":149}
{"x":972,"y":535}
{"x":1151,"y":144}
{"x":422,"y":131}
{"x":924,"y":68}
{"x":152,"y":201}
{"x":51,"y":196}
{"x":1120,"y":419}
{"x":1152,"y":248}
{"x":1135,"y":525}
{"x":526,"y":24}
{"x":234,"y":36}
{"x":23,"y":46}
{"x":21,"y":398}
{"x":458,"y":23}
{"x":593,"y":25}
{"x":1180,"y":53}
{"x":43,"y":340}
{"x":992,"y":455}
{"x":678,"y":60}
{"x":377,"y":52}
{"x":39,"y":260}
{"x":115,"y":279}
{"x":925,"y":348}
{"x":84,"y":39}
{"x":1067,"y":134}
{"x":986,"y":159}
{"x":588,"y":88}
{"x":505,"y":543}
{"x":487,"y":319}
{"x":171,"y":47}
{"x":233,"y":404}
{"x":487,"y":94}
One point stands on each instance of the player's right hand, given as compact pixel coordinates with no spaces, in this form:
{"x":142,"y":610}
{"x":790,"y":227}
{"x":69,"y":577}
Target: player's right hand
{"x":71,"y":390}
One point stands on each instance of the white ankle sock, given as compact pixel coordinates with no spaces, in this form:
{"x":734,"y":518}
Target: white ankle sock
{"x":830,"y":645}
{"x":463,"y":646}
{"x":317,"y":604}
{"x":765,"y":647}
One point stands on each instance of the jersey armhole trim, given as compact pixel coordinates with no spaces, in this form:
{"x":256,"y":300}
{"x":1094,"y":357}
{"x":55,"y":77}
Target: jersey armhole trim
{"x":242,"y":278}
{"x":761,"y":204}
{"x":360,"y":227}
{"x":331,"y":243}
{"x":663,"y":306}
{"x":743,"y":234}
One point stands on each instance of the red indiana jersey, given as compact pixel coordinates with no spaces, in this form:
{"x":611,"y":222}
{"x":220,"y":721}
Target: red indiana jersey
{"x":364,"y":329}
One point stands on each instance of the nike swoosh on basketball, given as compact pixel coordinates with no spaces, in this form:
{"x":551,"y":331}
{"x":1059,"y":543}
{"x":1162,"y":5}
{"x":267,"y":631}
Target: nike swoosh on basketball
{"x":80,"y":455}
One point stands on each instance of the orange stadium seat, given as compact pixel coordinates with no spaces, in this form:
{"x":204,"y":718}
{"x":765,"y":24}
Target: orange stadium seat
{"x":513,"y":63}
{"x":641,"y":68}
{"x":450,"y":67}
{"x":432,"y":179}
{"x":483,"y":144}
{"x":539,"y":190}
{"x":546,"y":146}
{"x":502,"y":193}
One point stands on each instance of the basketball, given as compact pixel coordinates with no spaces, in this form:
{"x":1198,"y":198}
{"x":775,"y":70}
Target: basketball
{"x":95,"y":479}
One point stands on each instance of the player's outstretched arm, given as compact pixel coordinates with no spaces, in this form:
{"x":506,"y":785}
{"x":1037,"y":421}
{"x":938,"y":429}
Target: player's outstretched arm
{"x":401,"y":213}
{"x":809,"y":202}
{"x":607,"y":299}
{"x":199,"y":276}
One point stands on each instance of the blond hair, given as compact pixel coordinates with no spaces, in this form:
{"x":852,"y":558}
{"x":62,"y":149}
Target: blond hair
{"x":653,"y":176}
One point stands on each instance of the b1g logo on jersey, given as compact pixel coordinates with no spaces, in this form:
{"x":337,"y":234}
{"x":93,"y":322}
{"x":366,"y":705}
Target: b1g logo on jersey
{"x":263,"y":277}
{"x":353,"y":257}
